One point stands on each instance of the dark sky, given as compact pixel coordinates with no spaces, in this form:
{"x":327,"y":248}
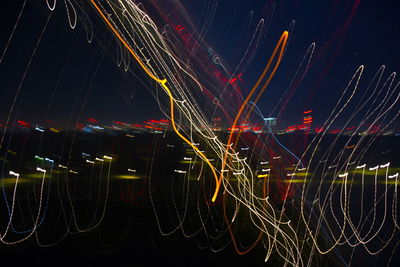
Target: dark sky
{"x":69,"y":80}
{"x":371,"y":36}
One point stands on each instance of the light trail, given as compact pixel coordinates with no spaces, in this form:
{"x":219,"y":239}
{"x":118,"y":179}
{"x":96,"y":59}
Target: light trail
{"x":163,"y":84}
{"x":337,"y":190}
{"x":280,"y":46}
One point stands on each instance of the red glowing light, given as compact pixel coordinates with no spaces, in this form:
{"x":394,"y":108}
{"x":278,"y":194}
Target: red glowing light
{"x":92,"y":120}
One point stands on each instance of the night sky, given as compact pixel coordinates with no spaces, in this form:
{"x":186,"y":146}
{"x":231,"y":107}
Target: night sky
{"x":57,"y":77}
{"x":69,"y":79}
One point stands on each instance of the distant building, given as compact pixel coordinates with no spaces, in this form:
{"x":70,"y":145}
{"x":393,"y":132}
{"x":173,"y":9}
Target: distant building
{"x":271,"y":123}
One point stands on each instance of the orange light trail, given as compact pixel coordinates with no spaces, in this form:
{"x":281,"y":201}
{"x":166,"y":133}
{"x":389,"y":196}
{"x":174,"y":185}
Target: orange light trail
{"x":280,"y":45}
{"x":163,"y":84}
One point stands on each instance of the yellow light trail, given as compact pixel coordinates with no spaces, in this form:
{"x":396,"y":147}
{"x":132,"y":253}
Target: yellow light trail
{"x":163,"y":84}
